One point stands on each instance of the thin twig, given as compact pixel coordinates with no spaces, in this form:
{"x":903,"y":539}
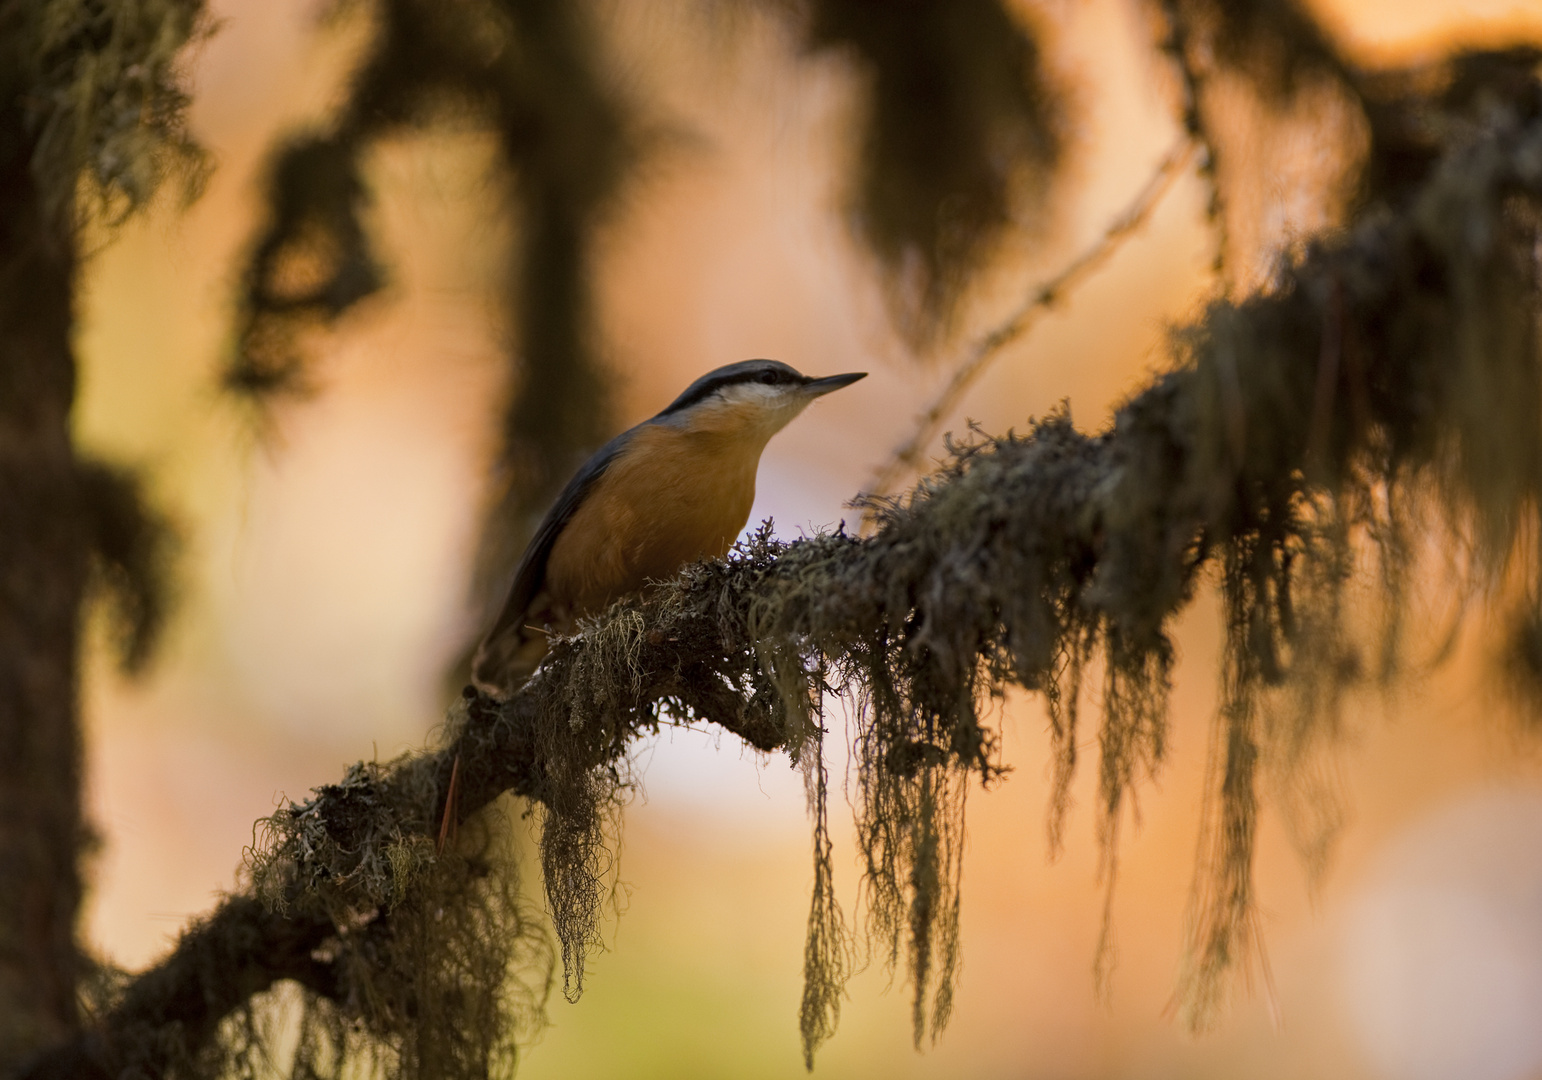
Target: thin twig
{"x":1044,"y":296}
{"x":1191,"y":104}
{"x":448,"y":823}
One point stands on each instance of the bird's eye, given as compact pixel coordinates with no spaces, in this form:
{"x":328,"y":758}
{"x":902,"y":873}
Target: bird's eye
{"x":770,"y":377}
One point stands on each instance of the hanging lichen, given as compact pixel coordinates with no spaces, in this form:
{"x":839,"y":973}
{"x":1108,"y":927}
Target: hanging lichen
{"x":105,"y":96}
{"x":962,"y":130}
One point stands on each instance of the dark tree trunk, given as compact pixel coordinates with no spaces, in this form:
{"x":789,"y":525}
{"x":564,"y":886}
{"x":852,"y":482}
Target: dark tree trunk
{"x":43,"y":570}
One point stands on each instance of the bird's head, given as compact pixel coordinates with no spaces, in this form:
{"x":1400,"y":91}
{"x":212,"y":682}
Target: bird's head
{"x":755,"y":398}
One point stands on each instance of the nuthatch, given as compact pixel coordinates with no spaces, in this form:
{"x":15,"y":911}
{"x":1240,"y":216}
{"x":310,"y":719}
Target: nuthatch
{"x":669,"y":491}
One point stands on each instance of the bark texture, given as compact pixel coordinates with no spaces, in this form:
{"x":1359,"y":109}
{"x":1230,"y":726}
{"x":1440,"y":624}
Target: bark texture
{"x":43,"y":574}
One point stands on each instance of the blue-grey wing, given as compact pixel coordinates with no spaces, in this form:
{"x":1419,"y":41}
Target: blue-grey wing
{"x":531,"y":573}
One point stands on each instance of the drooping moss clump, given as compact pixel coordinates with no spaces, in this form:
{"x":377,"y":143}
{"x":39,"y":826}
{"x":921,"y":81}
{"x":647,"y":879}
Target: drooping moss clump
{"x":962,"y":130}
{"x":438,"y":967}
{"x":104,"y":96}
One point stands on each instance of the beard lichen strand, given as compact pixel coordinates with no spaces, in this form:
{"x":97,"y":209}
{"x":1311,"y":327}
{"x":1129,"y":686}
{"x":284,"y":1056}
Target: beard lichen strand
{"x":827,"y":952}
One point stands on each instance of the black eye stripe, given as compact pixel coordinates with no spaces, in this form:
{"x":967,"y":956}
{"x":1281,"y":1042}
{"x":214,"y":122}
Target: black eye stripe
{"x":747,"y":373}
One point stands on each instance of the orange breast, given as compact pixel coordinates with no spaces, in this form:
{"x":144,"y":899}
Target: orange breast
{"x":672,"y":497}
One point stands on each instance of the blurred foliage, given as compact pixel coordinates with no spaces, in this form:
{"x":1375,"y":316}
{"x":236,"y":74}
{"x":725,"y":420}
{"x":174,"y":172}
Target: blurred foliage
{"x":96,"y":94}
{"x":1275,"y":45}
{"x":533,"y":74}
{"x":962,"y":133}
{"x":1273,"y":49}
{"x":101,"y":88}
{"x":91,"y":111}
{"x":314,"y":260}
{"x":100,"y":95}
{"x":133,"y":547}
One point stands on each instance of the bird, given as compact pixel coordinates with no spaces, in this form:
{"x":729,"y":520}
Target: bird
{"x":674,"y":489}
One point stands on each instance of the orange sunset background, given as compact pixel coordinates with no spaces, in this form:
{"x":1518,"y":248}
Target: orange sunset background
{"x":325,"y":578}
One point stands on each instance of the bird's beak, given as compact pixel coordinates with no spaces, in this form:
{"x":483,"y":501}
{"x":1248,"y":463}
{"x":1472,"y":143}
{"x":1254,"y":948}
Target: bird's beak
{"x":817,"y":387}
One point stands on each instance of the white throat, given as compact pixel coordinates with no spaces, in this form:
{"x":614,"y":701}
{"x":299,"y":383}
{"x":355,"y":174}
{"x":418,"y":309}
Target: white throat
{"x":759,"y":408}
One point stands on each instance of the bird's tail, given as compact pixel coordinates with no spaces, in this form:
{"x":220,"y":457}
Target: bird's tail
{"x":506,"y":659}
